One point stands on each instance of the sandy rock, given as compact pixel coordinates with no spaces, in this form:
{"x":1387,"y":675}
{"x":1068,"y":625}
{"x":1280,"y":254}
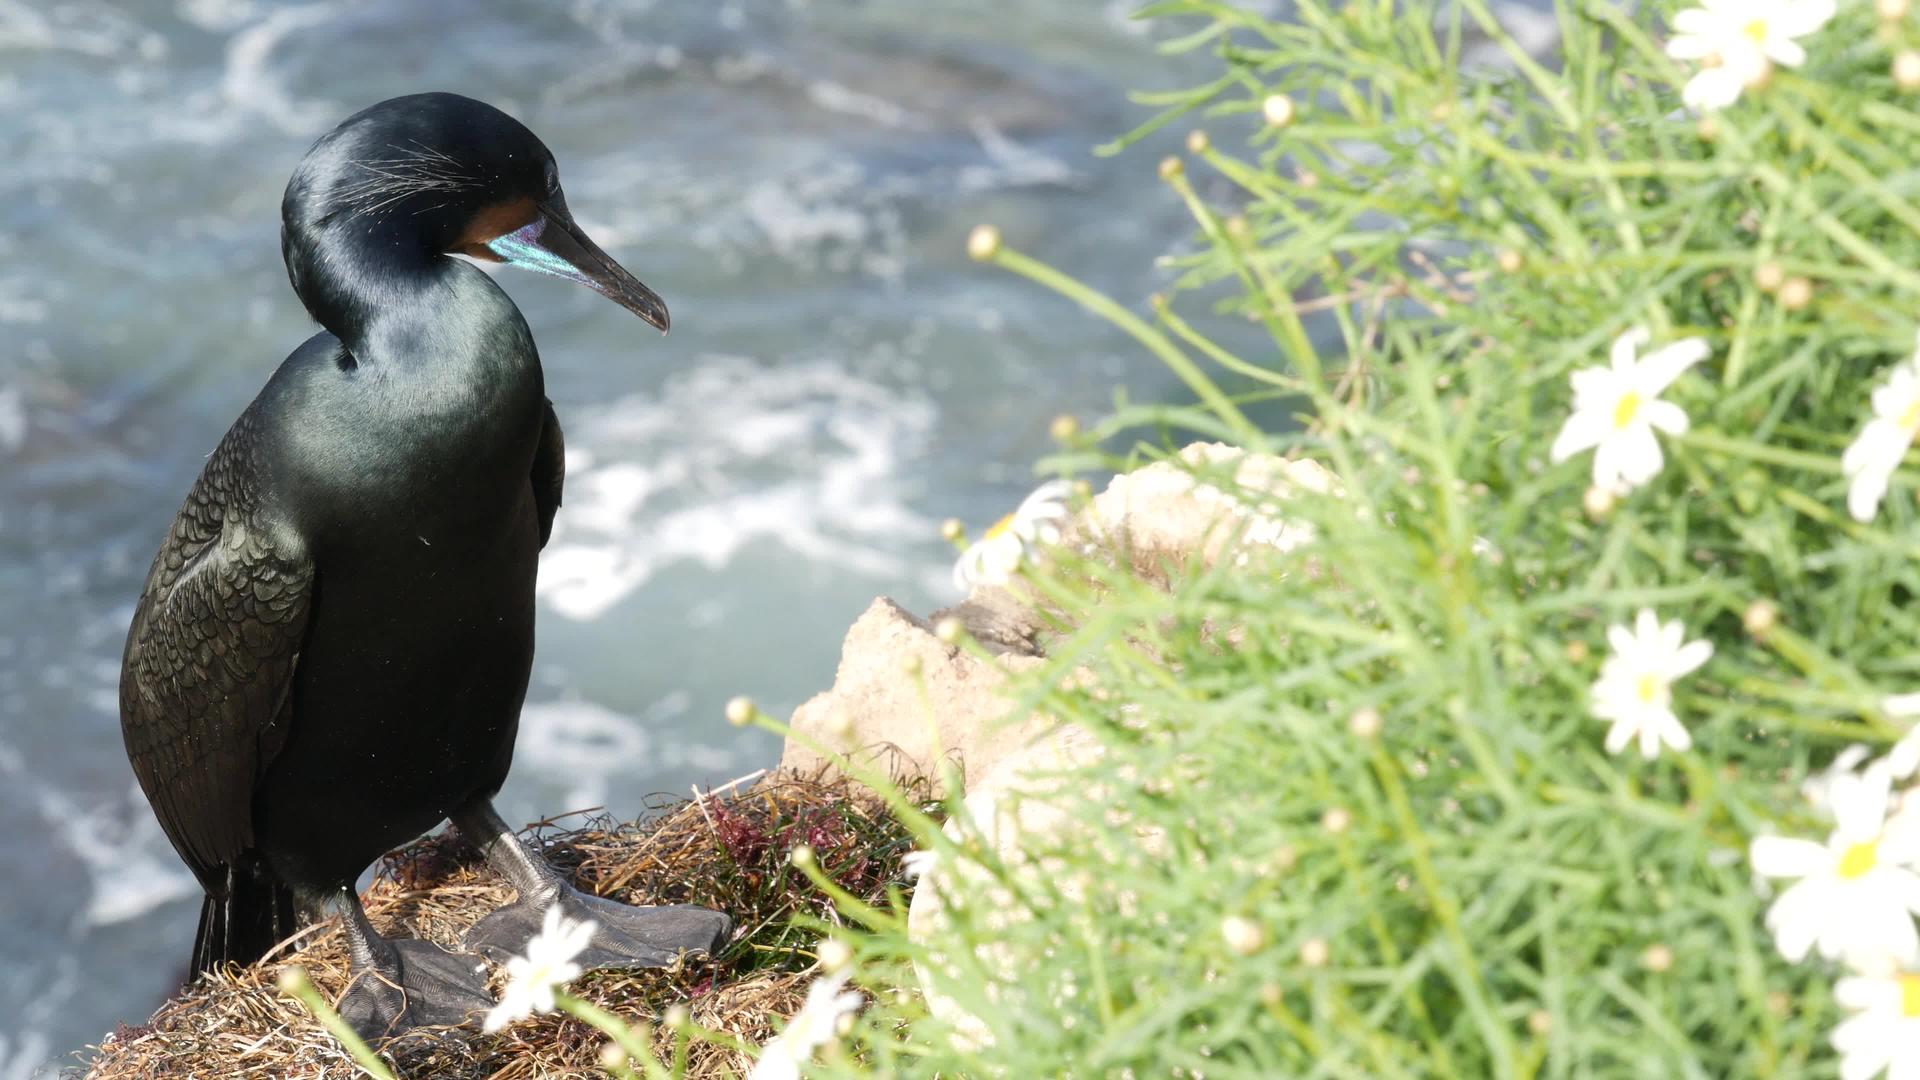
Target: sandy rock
{"x":1017,"y":812}
{"x":1153,"y":518}
{"x":1161,"y":515}
{"x":1010,"y":814}
{"x":878,"y":713}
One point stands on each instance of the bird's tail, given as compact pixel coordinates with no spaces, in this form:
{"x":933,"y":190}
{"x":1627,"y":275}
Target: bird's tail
{"x":251,"y":915}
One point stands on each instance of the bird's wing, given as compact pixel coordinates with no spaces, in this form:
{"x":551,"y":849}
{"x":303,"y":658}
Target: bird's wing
{"x":549,"y":472}
{"x":207,"y":677}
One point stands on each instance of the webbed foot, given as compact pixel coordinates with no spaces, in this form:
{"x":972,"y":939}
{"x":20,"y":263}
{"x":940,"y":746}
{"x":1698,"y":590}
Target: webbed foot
{"x":416,"y":984}
{"x":624,"y":936}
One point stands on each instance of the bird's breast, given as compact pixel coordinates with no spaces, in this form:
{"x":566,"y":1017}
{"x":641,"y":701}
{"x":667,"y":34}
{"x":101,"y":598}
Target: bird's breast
{"x":375,"y":462}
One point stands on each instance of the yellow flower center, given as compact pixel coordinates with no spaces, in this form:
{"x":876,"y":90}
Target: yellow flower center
{"x":1757,"y":30}
{"x":1650,"y":688}
{"x":1910,"y":995}
{"x":1859,"y":859}
{"x":998,"y":529}
{"x":1625,"y":410}
{"x":1911,"y":418}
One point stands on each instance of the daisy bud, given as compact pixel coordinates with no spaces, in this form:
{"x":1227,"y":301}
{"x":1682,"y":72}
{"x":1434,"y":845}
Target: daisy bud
{"x":1657,"y":959}
{"x":1336,"y":820}
{"x":1238,"y":228}
{"x":1795,"y":293}
{"x":835,"y":954}
{"x":1082,"y":489}
{"x":1306,"y":179}
{"x":1906,"y":70}
{"x":842,"y":1027}
{"x":1314,"y":952}
{"x":839,"y":724}
{"x":911,"y":664}
{"x":1599,"y":502}
{"x":983,"y":242}
{"x":1197,"y":142}
{"x":1271,"y":994}
{"x":293,"y":979}
{"x":1279,"y":110}
{"x":676,"y":1017}
{"x":1577,"y":652}
{"x":1890,"y":10}
{"x":740,"y":711}
{"x":612,"y":1058}
{"x":1706,"y":129}
{"x":1171,"y":167}
{"x":1760,"y":617}
{"x":1780,"y":1003}
{"x":1243,"y":935}
{"x":1284,"y":857}
{"x":951,"y":530}
{"x":1063,"y":428}
{"x":1509,"y":261}
{"x":1364,"y":723}
{"x":1441,"y":112}
{"x":1768,"y":277}
{"x":1540,"y":1021}
{"x":801,"y":856}
{"x":948,"y":630}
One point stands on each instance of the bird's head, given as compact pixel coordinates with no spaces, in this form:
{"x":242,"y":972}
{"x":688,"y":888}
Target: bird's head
{"x":430,"y":175}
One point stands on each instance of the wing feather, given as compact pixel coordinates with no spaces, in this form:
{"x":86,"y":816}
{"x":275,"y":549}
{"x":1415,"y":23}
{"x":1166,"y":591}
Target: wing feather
{"x":208,"y":670}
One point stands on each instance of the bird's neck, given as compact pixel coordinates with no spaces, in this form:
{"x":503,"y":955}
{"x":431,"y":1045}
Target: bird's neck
{"x":397,"y":307}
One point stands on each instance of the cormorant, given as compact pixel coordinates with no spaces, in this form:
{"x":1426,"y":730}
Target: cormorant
{"x":332,"y":647}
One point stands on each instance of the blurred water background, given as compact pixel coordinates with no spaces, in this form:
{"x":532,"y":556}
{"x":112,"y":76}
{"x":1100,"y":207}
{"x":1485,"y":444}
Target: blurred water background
{"x":796,"y":177}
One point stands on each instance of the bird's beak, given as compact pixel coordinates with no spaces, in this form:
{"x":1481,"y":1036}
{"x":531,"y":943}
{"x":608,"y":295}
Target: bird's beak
{"x":552,"y":244}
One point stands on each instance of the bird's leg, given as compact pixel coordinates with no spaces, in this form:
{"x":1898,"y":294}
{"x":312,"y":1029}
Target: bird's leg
{"x":624,"y":937}
{"x":400,"y":984}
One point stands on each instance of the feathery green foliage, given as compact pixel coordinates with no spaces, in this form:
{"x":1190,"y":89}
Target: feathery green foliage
{"x":1446,"y":230}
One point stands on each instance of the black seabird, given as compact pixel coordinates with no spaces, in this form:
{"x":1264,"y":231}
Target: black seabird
{"x":333,"y":645}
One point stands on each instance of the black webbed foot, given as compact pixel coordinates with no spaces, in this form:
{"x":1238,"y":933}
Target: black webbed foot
{"x":624,"y":936}
{"x":426,"y":986}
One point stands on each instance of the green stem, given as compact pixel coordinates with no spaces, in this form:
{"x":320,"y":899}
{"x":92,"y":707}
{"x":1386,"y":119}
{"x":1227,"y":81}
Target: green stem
{"x":295,"y":984}
{"x":1156,"y":342}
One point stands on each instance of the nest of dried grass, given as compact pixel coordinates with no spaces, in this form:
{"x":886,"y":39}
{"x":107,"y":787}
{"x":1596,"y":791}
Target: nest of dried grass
{"x":727,"y":852}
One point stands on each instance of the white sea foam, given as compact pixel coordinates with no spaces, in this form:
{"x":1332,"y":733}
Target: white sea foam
{"x":801,"y":216}
{"x":218,"y":15}
{"x":834,"y":97}
{"x":89,"y":29}
{"x":128,"y":861}
{"x":13,"y":419}
{"x":804,"y":455}
{"x":23,"y":1057}
{"x":583,"y":742}
{"x":1010,"y":165}
{"x":249,"y":84}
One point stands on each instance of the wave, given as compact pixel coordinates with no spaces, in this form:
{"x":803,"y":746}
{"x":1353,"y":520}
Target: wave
{"x":805,"y":455}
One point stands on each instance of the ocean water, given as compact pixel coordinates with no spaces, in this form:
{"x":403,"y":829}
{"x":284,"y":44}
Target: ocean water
{"x":796,"y":177}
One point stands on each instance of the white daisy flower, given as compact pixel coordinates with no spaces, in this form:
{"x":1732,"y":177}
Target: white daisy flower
{"x":1885,"y":1035}
{"x":1635,"y":688}
{"x":548,"y":963}
{"x":1617,"y":408}
{"x":815,"y":1025}
{"x":1818,"y":789}
{"x":992,"y":559}
{"x":1737,"y":43}
{"x":1856,"y":894}
{"x":916,"y":864}
{"x":1876,"y":452}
